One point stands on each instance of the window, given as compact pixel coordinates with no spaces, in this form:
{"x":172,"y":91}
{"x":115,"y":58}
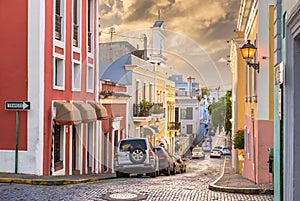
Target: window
{"x":248,"y":144}
{"x":137,"y":92}
{"x":283,"y":24}
{"x":150,"y":93}
{"x":90,"y":23}
{"x":189,"y":129}
{"x":144,"y":92}
{"x":76,"y":77}
{"x":58,"y":151}
{"x":186,"y":113}
{"x":76,"y":22}
{"x":58,"y":74}
{"x":59,"y":19}
{"x":254,"y":79}
{"x":90,"y":78}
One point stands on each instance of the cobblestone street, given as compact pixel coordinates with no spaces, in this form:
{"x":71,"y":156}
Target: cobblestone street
{"x":192,"y":185}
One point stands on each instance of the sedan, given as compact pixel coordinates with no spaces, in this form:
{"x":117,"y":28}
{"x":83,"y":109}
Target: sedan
{"x":224,"y":150}
{"x":166,"y":163}
{"x":181,"y":163}
{"x":215,"y":153}
{"x":198,"y":152}
{"x":177,"y":166}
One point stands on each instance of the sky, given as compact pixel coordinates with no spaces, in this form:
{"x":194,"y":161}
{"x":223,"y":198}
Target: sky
{"x":197,"y":32}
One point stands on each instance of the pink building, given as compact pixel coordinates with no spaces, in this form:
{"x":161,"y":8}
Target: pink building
{"x":49,"y":58}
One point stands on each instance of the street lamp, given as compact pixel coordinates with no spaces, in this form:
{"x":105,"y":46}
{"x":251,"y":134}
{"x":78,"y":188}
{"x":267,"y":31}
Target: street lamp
{"x":248,"y":51}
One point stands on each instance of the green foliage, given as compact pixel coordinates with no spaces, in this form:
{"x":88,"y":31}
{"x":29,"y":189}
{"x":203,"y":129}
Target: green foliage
{"x":221,"y":113}
{"x":205,"y":91}
{"x":228,"y":114}
{"x":238,"y":140}
{"x":144,"y":108}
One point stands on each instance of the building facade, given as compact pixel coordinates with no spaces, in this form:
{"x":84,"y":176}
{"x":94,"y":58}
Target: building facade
{"x":286,"y":95}
{"x":255,"y":23}
{"x":114,"y":98}
{"x":54,"y":50}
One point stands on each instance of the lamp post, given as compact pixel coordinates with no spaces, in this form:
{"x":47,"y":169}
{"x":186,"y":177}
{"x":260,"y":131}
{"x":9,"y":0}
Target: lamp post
{"x":248,"y":51}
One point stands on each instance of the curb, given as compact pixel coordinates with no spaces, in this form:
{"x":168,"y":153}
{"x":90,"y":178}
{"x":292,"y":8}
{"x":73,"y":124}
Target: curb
{"x":215,"y":187}
{"x":50,"y":182}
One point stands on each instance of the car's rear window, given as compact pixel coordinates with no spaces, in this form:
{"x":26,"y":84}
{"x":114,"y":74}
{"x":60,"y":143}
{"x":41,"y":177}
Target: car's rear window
{"x":197,"y":149}
{"x":127,"y":145}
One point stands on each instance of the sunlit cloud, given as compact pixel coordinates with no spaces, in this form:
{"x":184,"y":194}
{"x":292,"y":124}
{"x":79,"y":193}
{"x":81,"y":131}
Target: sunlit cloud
{"x":208,"y":23}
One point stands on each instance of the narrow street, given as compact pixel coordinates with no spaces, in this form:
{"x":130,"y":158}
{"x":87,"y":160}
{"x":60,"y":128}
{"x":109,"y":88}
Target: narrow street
{"x":192,"y":185}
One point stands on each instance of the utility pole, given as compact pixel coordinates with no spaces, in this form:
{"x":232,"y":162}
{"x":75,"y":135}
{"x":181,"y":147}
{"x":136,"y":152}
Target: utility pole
{"x":111,"y":31}
{"x":190,"y":79}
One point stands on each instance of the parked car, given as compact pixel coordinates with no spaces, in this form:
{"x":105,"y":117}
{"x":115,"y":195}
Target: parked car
{"x":215,"y":153}
{"x":166,"y":164}
{"x":206,"y":146}
{"x":135,"y":156}
{"x":224,"y":149}
{"x":182,"y":164}
{"x":177,"y":166}
{"x":197,"y":152}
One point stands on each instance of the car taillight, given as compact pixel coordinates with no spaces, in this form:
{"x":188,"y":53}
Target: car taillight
{"x":162,"y":156}
{"x":151,"y":154}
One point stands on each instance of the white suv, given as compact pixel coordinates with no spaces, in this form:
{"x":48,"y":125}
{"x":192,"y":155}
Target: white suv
{"x":135,"y":156}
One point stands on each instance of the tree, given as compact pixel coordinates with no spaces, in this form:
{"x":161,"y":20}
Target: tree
{"x":221,"y":113}
{"x":228,"y":114}
{"x":238,"y":140}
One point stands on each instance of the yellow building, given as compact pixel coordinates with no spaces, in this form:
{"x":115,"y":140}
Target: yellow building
{"x":253,"y":87}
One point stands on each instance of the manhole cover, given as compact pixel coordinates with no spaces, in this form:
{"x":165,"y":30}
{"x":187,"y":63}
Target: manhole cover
{"x":123,"y":197}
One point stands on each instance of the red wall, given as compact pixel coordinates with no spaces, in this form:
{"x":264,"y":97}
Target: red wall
{"x":264,"y":139}
{"x":66,"y":94}
{"x":13,"y":76}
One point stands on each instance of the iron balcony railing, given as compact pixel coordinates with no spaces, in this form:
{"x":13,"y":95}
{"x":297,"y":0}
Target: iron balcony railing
{"x":89,"y":42}
{"x":75,"y":35}
{"x":58,"y":26}
{"x":143,"y":110}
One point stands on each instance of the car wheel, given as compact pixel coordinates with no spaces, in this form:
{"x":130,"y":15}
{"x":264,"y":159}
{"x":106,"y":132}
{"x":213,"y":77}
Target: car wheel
{"x":137,"y":155}
{"x":119,"y":174}
{"x":173,"y":172}
{"x":167,"y":171}
{"x":153,"y":174}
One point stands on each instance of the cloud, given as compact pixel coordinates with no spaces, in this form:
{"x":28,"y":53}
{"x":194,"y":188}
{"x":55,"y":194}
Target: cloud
{"x":208,"y":23}
{"x":222,"y":60}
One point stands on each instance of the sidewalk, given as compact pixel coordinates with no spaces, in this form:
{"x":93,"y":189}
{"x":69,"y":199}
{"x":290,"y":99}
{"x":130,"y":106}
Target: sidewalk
{"x":234,"y":183}
{"x":53,"y":180}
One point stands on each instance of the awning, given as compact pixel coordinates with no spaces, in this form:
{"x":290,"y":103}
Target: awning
{"x":66,"y":114}
{"x":149,"y":131}
{"x":101,"y":111}
{"x":87,"y":112}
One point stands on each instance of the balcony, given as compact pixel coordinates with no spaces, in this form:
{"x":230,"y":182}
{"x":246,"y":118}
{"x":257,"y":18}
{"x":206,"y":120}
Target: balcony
{"x":141,"y":110}
{"x":58,"y":26}
{"x":89,"y":42}
{"x":75,"y":35}
{"x":174,"y":126}
{"x":147,"y":109}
